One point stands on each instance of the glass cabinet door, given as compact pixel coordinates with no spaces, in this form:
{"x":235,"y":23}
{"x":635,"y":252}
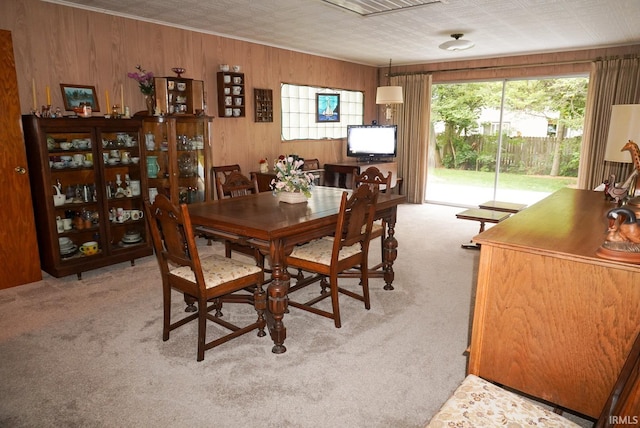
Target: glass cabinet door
{"x":191,"y":161}
{"x":177,"y":157}
{"x":158,"y":134}
{"x":124,"y":186}
{"x":74,"y":194}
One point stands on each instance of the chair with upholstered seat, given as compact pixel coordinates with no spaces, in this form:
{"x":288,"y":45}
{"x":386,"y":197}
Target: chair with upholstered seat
{"x":221,"y":172}
{"x":209,"y":281}
{"x":373,"y":177}
{"x":217,"y":172}
{"x":313,"y":166}
{"x":236,"y":185}
{"x":229,"y":182}
{"x":477,"y":402}
{"x":329,"y":256}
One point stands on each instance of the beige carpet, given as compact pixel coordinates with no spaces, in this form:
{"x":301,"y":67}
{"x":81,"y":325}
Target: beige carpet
{"x":90,"y":353}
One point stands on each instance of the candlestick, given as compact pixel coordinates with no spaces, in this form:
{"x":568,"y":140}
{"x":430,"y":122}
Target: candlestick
{"x":33,"y":92}
{"x":106,"y":95}
{"x":48,"y":96}
{"x":122,"y":99}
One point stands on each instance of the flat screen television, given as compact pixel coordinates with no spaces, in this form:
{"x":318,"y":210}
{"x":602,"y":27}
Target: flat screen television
{"x":372,"y":142}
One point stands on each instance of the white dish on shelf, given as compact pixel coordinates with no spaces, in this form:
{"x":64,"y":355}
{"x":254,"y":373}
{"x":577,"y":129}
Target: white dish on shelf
{"x":68,"y":251}
{"x":126,"y":244}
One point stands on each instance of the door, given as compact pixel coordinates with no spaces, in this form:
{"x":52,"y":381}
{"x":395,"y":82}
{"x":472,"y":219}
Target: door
{"x":19,"y":245}
{"x":513,"y":140}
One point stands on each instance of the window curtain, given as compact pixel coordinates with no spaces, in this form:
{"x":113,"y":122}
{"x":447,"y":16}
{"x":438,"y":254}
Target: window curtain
{"x":412,"y":118}
{"x":611,"y":82}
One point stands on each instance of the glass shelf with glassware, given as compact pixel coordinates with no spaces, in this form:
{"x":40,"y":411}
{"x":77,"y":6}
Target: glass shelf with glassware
{"x":178,"y":157}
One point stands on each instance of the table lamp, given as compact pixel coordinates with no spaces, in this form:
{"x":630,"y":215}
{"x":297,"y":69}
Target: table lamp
{"x":624,"y":126}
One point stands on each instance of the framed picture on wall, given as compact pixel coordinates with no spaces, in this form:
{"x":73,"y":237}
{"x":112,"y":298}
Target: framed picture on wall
{"x":74,"y":95}
{"x":327,"y":107}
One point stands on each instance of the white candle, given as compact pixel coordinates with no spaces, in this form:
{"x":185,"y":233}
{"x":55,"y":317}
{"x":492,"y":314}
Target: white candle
{"x":122,"y":99}
{"x":33,"y":92}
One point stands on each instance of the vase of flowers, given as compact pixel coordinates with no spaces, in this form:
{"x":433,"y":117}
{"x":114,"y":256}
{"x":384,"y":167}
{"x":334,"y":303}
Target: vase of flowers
{"x":145,"y":83}
{"x":292,"y":185}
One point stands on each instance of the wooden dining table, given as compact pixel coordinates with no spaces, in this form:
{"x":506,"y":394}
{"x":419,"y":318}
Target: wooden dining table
{"x":275,"y":227}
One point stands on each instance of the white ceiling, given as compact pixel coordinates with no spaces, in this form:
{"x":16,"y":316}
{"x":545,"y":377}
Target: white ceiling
{"x":408,"y":36}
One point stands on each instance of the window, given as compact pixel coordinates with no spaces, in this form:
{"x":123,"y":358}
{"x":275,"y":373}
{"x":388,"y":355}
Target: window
{"x":299,"y":113}
{"x":512,"y":140}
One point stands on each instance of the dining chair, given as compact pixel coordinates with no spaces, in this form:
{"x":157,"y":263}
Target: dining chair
{"x":221,"y":172}
{"x":313,"y":166}
{"x":236,"y":185}
{"x":477,"y":402}
{"x":209,"y":281}
{"x":328,"y":256}
{"x":373,"y":177}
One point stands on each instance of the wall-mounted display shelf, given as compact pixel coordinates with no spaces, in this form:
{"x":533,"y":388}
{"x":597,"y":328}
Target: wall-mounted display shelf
{"x":231,"y":94}
{"x":179,"y":96}
{"x":263,"y":99}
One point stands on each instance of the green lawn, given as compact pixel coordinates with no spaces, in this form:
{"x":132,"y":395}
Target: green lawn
{"x":535,"y":183}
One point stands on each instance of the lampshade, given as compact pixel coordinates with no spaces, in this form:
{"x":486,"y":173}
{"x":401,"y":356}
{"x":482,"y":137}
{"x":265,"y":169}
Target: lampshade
{"x":389,"y":95}
{"x":624,"y":126}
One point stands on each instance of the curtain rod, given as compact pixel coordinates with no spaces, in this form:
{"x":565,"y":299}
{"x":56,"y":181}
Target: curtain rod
{"x":501,"y":67}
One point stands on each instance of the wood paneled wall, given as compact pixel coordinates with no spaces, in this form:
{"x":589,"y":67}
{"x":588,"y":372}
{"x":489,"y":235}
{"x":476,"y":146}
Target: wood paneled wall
{"x":56,"y":44}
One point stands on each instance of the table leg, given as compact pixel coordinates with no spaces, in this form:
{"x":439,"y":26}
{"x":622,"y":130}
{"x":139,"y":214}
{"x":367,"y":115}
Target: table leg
{"x":277,"y":294}
{"x":390,"y":251}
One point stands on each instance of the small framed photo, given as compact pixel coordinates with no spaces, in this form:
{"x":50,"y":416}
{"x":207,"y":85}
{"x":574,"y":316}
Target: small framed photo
{"x":327,"y":107}
{"x":74,"y":95}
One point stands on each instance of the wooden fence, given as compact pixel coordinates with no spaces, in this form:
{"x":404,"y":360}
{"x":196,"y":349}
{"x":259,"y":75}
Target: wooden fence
{"x":529,"y":155}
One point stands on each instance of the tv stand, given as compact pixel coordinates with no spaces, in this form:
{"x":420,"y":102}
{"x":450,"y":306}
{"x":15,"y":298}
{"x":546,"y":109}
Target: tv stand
{"x":341,"y":174}
{"x":374,"y":159}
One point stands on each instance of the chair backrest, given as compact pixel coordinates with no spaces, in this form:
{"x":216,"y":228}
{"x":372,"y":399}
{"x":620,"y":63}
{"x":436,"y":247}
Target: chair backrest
{"x":628,"y":381}
{"x":313,"y":166}
{"x":373,"y":177}
{"x":173,"y":239}
{"x":355,"y":219}
{"x":235,"y":184}
{"x":221,"y":172}
{"x":310,"y":164}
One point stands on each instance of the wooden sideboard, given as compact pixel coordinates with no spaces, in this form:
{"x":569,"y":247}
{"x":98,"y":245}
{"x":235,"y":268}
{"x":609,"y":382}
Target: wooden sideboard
{"x":552,"y":319}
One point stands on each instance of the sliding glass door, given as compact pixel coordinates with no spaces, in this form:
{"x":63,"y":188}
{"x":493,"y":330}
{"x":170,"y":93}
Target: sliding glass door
{"x":512,"y":140}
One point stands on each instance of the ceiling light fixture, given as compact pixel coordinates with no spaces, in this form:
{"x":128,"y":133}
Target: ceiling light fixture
{"x":389,"y":95}
{"x":458,"y":44}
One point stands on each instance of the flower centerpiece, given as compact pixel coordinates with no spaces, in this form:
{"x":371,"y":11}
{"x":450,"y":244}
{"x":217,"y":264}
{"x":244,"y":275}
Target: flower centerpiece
{"x":145,"y":83}
{"x":291,"y":184}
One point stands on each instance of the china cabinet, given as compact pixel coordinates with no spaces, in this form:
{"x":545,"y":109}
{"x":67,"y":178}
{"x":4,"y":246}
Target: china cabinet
{"x":88,"y":179}
{"x":179,"y":96}
{"x":263,"y":99}
{"x":177,"y":151}
{"x":231,"y":94}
